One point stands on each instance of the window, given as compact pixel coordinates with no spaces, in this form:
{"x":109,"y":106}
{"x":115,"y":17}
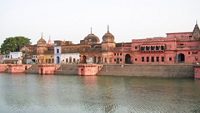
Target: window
{"x":157,"y":59}
{"x":196,"y":58}
{"x":147,"y":59}
{"x":135,"y":47}
{"x":115,"y":54}
{"x":120,"y":54}
{"x":74,"y":60}
{"x":115,"y":60}
{"x":135,"y":59}
{"x":142,"y":59}
{"x":157,"y":48}
{"x":70,"y":59}
{"x":162,"y":47}
{"x":152,"y":59}
{"x":163,"y":59}
{"x":147,"y":48}
{"x":57,"y":51}
{"x":142,"y":48}
{"x":152,"y":48}
{"x":66,"y":60}
{"x":170,"y":59}
{"x":188,"y":52}
{"x":120,"y":59}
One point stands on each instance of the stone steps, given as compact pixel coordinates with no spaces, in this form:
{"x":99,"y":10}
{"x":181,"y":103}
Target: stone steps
{"x":33,"y":69}
{"x":67,"y":69}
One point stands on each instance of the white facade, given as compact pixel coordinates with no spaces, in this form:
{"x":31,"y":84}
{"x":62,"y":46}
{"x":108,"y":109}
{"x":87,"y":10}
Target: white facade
{"x":14,"y":56}
{"x":65,"y":58}
{"x":57,"y":54}
{"x":70,"y":58}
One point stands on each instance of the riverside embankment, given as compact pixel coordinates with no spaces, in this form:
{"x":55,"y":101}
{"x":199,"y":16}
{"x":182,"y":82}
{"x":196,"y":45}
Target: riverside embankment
{"x":179,"y":70}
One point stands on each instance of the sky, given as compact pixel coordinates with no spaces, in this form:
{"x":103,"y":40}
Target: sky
{"x":72,"y":19}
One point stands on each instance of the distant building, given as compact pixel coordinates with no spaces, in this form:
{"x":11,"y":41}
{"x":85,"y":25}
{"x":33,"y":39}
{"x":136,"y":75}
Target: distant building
{"x":13,"y":58}
{"x":182,"y":47}
{"x":40,"y":53}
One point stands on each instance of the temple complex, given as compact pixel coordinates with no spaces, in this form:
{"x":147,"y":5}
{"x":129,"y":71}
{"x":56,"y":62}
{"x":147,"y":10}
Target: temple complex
{"x":175,"y":48}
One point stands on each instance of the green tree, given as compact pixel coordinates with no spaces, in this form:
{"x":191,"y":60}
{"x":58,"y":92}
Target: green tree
{"x":12,"y":44}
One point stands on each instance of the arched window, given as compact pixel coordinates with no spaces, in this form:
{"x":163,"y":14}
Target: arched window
{"x":70,"y":59}
{"x":181,"y":58}
{"x":128,"y":59}
{"x":58,"y":60}
{"x":84,"y":59}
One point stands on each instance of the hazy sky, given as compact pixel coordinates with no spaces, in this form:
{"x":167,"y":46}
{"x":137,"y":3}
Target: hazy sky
{"x":72,"y":19}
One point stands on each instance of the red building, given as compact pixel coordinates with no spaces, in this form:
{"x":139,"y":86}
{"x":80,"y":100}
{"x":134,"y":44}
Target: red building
{"x":181,"y":47}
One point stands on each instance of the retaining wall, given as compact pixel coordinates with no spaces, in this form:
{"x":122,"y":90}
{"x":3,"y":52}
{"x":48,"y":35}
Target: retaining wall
{"x":127,"y":70}
{"x":67,"y":69}
{"x":149,"y":70}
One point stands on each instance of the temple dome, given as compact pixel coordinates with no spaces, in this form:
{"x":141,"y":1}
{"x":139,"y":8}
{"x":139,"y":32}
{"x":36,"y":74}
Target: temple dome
{"x":91,"y":38}
{"x":108,"y":37}
{"x":41,"y":41}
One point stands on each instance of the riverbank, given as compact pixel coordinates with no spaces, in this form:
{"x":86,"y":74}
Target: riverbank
{"x":178,"y":70}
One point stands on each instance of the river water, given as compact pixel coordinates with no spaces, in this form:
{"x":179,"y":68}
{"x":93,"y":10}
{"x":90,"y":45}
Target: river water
{"x":97,"y":94}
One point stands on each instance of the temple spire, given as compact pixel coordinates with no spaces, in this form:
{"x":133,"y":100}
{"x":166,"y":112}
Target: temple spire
{"x":91,"y":30}
{"x":42,"y":35}
{"x":196,"y":22}
{"x":49,"y":41}
{"x":108,"y":28}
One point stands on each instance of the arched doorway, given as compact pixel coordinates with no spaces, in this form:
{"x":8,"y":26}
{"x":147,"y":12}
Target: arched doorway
{"x":84,"y":59}
{"x":99,"y":60}
{"x":70,"y":60}
{"x":181,"y":58}
{"x":128,"y":59}
{"x":95,"y":59}
{"x":118,"y":59}
{"x":58,"y":60}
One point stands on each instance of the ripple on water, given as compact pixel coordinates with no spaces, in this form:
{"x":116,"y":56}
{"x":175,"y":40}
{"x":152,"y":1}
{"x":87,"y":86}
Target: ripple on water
{"x":75,"y":94}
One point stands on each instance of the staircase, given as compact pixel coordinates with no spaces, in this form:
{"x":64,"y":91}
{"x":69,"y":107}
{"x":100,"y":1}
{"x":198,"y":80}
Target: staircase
{"x":33,"y":69}
{"x":67,"y":69}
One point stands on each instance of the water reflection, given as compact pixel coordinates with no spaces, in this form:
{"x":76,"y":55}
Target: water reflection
{"x":97,"y":94}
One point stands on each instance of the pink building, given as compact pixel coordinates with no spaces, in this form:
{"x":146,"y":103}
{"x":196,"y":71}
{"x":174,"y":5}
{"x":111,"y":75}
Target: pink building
{"x":181,"y":47}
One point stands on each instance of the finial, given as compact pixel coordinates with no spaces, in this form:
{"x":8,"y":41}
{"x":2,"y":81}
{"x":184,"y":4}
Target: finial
{"x":108,"y":28}
{"x":91,"y":30}
{"x":196,"y":22}
{"x":49,"y":41}
{"x":42,"y":35}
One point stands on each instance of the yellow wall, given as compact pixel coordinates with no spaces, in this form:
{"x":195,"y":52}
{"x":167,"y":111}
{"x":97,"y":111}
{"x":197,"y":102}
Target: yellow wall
{"x":45,"y":59}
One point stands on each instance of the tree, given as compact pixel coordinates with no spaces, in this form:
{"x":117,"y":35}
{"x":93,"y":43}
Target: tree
{"x":13,"y":44}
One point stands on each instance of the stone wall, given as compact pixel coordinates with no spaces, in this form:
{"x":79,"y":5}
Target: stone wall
{"x":33,"y":69}
{"x":67,"y":69}
{"x":148,"y":70}
{"x":127,"y":70}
